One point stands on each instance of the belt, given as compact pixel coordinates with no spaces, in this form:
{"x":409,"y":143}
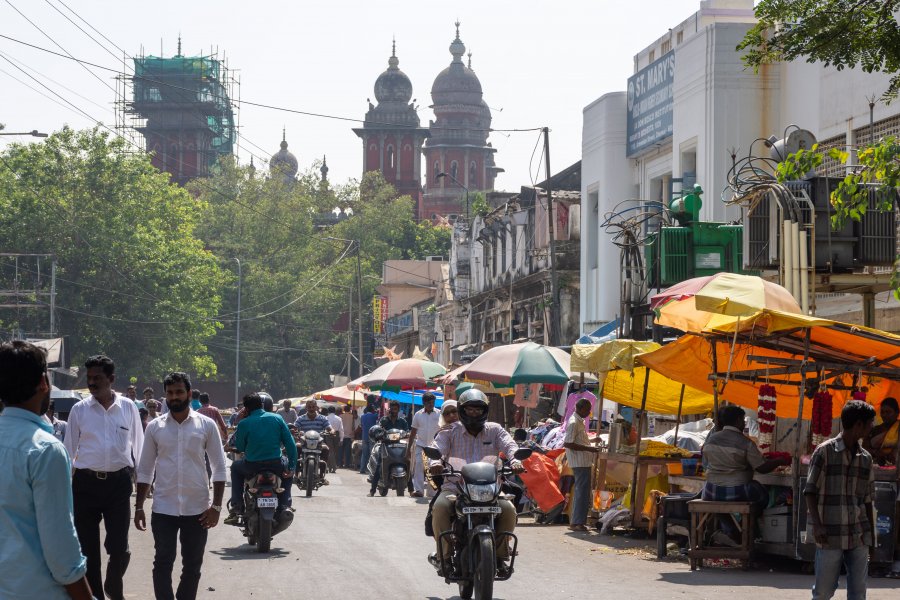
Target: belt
{"x":104,"y":474}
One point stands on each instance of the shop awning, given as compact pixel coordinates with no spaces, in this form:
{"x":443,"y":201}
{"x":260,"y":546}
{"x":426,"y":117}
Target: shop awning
{"x":769,"y":348}
{"x":627,"y":388}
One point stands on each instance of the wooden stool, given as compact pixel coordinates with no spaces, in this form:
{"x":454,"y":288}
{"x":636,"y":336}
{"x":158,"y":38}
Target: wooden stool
{"x":701,"y":511}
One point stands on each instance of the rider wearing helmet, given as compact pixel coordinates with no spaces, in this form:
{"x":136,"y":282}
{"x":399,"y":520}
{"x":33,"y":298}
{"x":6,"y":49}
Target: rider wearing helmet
{"x":471,"y":439}
{"x":268,"y":402}
{"x":260,"y":436}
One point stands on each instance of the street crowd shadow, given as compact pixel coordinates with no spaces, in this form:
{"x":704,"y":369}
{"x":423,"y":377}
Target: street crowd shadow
{"x":248,"y":552}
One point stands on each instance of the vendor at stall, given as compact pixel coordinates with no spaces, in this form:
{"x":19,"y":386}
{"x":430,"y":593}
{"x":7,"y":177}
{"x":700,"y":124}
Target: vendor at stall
{"x":730,"y":459}
{"x":881,"y":442}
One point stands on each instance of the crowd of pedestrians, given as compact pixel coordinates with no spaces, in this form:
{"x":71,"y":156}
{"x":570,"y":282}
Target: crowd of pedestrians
{"x":68,"y":477}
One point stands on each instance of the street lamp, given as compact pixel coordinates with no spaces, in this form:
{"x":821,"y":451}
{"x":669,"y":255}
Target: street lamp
{"x":33,"y":133}
{"x":456,"y":181}
{"x":237,"y":350}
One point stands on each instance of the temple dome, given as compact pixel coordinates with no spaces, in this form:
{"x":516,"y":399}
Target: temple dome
{"x":283,"y":162}
{"x":457,"y":84}
{"x":393,"y":85}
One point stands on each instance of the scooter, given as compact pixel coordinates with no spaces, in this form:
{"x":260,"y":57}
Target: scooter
{"x":394,"y":467}
{"x":472,"y":536}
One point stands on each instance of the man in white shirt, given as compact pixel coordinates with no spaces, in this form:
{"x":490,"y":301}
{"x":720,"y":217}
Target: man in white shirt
{"x":104,"y":436}
{"x":421,"y":435}
{"x":175,"y":446}
{"x":336,"y":424}
{"x":580,"y":456}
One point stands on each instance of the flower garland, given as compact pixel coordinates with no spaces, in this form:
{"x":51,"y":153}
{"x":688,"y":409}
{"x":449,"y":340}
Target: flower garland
{"x":821,"y":417}
{"x":765,"y":414}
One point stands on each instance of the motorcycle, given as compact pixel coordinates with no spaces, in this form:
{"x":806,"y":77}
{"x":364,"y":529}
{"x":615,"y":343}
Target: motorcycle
{"x":309,"y":462}
{"x":262,"y":518}
{"x":473,"y":537}
{"x":394,"y":467}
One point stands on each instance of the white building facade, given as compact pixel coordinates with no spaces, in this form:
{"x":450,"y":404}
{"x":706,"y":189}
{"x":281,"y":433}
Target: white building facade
{"x":692,"y":105}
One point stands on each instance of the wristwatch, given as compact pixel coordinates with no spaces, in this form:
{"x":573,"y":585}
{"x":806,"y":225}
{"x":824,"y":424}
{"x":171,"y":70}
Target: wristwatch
{"x":218,"y":509}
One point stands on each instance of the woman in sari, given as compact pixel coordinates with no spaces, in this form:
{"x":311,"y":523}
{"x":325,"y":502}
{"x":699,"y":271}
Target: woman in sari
{"x":882,"y":442}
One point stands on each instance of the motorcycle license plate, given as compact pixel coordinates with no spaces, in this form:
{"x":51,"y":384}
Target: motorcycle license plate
{"x":477,"y":510}
{"x":267,"y":502}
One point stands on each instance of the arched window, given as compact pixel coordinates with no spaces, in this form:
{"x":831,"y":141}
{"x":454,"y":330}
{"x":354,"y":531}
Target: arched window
{"x":390,"y":163}
{"x":437,"y":169}
{"x":454,"y":169}
{"x":473,"y":171}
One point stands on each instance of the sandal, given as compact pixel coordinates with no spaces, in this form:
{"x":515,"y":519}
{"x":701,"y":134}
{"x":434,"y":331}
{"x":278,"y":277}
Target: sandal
{"x":578,"y":528}
{"x":893,"y":575}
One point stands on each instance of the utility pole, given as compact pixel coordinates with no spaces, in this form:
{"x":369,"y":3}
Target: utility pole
{"x":237,"y":350}
{"x":53,"y":298}
{"x":350,"y":333}
{"x":359,"y":314}
{"x":554,"y":283}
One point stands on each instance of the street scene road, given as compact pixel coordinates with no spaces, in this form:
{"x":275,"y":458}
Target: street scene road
{"x":344,"y":544}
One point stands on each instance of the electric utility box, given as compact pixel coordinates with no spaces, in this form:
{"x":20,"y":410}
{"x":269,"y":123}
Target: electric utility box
{"x":693,"y":248}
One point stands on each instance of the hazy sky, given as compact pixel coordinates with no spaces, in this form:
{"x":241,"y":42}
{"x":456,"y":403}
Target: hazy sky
{"x":539,"y":62}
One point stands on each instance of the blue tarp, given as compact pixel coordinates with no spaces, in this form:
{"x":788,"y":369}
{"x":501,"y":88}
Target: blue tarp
{"x":604,"y":333}
{"x":415,"y":398}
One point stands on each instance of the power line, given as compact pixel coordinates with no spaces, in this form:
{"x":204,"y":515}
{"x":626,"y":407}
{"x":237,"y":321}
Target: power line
{"x":272,"y":106}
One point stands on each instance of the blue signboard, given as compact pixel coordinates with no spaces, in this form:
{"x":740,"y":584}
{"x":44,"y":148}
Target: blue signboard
{"x":650,"y":104}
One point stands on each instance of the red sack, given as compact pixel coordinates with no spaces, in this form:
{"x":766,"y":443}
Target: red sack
{"x":541,"y":478}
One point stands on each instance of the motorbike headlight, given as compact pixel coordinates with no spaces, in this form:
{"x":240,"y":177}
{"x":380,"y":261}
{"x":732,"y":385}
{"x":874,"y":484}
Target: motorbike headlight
{"x":482,"y":493}
{"x":312,"y":443}
{"x":394,"y":437}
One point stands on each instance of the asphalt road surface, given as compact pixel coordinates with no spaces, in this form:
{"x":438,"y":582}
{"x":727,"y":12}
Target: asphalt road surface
{"x":345,"y":545}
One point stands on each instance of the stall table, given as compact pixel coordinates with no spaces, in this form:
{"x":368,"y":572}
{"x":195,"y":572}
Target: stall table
{"x":792,"y":548}
{"x":644,"y":462}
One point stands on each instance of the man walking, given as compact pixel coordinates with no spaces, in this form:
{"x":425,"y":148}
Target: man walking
{"x":59,"y":427}
{"x":208,"y":410}
{"x":105,"y":436}
{"x":580,"y":456}
{"x":367,"y":421}
{"x":39,"y":552}
{"x":287,"y":412}
{"x":839,"y":490}
{"x":345,"y":457}
{"x":175,"y":446}
{"x":424,"y":427}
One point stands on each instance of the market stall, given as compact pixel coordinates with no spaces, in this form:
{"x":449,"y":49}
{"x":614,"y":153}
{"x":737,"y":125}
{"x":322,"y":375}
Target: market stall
{"x":629,"y":384}
{"x":797,"y":372}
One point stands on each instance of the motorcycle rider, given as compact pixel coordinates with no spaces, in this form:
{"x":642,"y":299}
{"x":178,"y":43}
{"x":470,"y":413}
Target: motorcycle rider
{"x":471,"y":439}
{"x":393,"y":420}
{"x":311,"y":420}
{"x":260,"y":436}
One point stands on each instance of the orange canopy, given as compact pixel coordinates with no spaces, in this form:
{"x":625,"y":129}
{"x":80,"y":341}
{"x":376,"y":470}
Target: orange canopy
{"x":769,"y":346}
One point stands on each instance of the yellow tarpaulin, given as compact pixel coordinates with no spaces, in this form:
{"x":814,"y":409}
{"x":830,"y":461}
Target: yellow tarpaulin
{"x":607,"y":356}
{"x":627,"y":388}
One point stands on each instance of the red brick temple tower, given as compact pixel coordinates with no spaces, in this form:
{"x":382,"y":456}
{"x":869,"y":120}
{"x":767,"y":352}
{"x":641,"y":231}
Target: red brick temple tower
{"x":391,"y":135}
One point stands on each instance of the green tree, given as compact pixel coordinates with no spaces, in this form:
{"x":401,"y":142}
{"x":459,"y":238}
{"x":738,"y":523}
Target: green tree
{"x":843,"y":34}
{"x":839,"y":33}
{"x":298,"y":275}
{"x":134,"y":281}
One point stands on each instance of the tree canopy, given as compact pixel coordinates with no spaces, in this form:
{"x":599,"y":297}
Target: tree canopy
{"x":133,"y":280}
{"x":839,"y":33}
{"x":146,"y":270}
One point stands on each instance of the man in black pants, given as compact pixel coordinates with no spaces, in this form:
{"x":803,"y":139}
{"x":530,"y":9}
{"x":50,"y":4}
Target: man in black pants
{"x":104,"y":437}
{"x":175,"y":446}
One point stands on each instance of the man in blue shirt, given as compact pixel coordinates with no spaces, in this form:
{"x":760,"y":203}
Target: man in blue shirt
{"x":366,"y":422}
{"x":40,"y":556}
{"x":260,"y":436}
{"x":311,"y":420}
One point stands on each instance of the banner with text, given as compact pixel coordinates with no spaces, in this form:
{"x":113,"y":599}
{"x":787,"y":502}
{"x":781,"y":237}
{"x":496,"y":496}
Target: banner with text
{"x":650,"y":103}
{"x":379,"y":313}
